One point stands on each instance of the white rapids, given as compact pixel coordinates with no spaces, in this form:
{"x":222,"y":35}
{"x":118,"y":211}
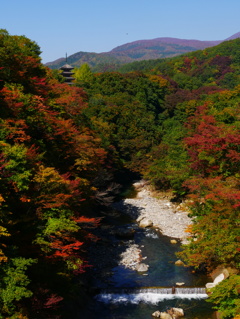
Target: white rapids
{"x":151,"y":295}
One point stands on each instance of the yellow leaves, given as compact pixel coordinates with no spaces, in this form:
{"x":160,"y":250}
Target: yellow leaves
{"x":105,"y":127}
{"x":3,"y":258}
{"x":3,"y":232}
{"x":189,"y":229}
{"x":190,"y":107}
{"x":205,"y":52}
{"x":226,"y":94}
{"x":159,"y":79}
{"x":49,"y":177}
{"x":236,"y":90}
{"x":1,"y":199}
{"x":82,"y":164}
{"x":3,"y":144}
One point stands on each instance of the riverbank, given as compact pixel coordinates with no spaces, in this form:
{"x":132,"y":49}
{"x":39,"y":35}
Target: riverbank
{"x":117,"y":246}
{"x":169,"y":218}
{"x":125,"y":247}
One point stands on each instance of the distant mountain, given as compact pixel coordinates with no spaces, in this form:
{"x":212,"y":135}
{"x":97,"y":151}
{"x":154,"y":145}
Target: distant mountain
{"x":138,"y":51}
{"x":235,"y":36}
{"x":159,"y":43}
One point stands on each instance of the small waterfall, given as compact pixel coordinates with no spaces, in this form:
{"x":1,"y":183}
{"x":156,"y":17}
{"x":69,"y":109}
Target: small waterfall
{"x":190,"y":290}
{"x":149,"y":294}
{"x":143,"y":290}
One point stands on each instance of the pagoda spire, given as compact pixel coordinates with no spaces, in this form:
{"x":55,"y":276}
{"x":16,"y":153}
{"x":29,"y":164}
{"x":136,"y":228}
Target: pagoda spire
{"x":67,"y":72}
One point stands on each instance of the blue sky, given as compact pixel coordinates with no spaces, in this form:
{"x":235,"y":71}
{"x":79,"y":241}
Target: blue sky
{"x":100,"y":25}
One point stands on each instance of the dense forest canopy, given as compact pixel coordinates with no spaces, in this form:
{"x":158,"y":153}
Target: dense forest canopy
{"x":175,"y":122}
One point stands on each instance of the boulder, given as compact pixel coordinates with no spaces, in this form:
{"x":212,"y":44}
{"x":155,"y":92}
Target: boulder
{"x":210,"y":285}
{"x":173,"y":313}
{"x":218,"y":279}
{"x":165,"y":315}
{"x":180,"y":283}
{"x":161,"y":315}
{"x":220,"y":270}
{"x":156,"y":314}
{"x":140,"y":218}
{"x":142,"y":267}
{"x":226,"y":273}
{"x":179,"y":263}
{"x":176,"y":312}
{"x":145,"y":222}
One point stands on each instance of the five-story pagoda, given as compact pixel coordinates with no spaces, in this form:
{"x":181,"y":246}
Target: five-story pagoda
{"x":67,"y":72}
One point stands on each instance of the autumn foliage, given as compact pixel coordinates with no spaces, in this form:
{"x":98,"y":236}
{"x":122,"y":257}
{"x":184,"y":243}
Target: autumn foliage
{"x":48,"y":160}
{"x":176,"y":123}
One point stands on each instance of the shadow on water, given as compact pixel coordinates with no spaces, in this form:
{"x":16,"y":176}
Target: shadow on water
{"x":160,"y":256}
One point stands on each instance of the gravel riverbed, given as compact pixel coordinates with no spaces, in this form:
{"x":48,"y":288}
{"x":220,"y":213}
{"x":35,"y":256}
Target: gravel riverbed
{"x":169,"y":218}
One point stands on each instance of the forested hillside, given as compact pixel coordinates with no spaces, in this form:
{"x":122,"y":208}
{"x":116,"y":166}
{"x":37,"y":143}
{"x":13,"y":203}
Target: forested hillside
{"x":140,"y":50}
{"x":177,"y":124}
{"x":49,"y":160}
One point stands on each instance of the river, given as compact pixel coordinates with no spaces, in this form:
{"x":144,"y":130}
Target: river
{"x":122,"y":293}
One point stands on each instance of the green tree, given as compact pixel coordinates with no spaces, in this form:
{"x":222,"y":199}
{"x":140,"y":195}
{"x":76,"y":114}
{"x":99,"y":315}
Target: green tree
{"x":168,"y":167}
{"x":83,"y":75}
{"x":13,"y":284}
{"x":225,"y":296}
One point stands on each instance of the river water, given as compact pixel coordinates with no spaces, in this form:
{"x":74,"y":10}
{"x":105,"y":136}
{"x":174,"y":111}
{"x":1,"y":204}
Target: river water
{"x":125,"y":293}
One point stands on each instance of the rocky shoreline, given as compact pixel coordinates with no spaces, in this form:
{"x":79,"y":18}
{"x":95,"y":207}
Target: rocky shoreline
{"x":171,"y":219}
{"x":151,"y":209}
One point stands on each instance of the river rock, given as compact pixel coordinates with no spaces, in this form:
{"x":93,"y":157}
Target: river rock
{"x":210,"y":285}
{"x":131,"y":256}
{"x":161,"y":315}
{"x":173,"y":241}
{"x":220,"y":270}
{"x":165,"y":315}
{"x":217,"y":280}
{"x":145,"y":222}
{"x":156,"y":314}
{"x":140,"y":218}
{"x":142,"y":267}
{"x":179,"y":263}
{"x":180,"y":284}
{"x":176,"y":312}
{"x":164,"y":214}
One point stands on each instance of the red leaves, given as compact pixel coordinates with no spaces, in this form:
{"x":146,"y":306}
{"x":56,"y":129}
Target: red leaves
{"x":214,"y":187}
{"x":91,"y":222}
{"x":70,"y":99}
{"x":54,"y":200}
{"x":52,"y":301}
{"x":45,"y":299}
{"x":65,"y":251}
{"x":16,"y":130}
{"x":213,"y":147}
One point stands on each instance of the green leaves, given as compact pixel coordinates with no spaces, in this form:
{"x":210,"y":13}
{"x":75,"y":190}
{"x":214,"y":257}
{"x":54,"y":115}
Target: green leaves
{"x":57,"y":226}
{"x":225,"y":296}
{"x":83,"y":75}
{"x":17,"y":165}
{"x":14,"y":281}
{"x":48,"y":159}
